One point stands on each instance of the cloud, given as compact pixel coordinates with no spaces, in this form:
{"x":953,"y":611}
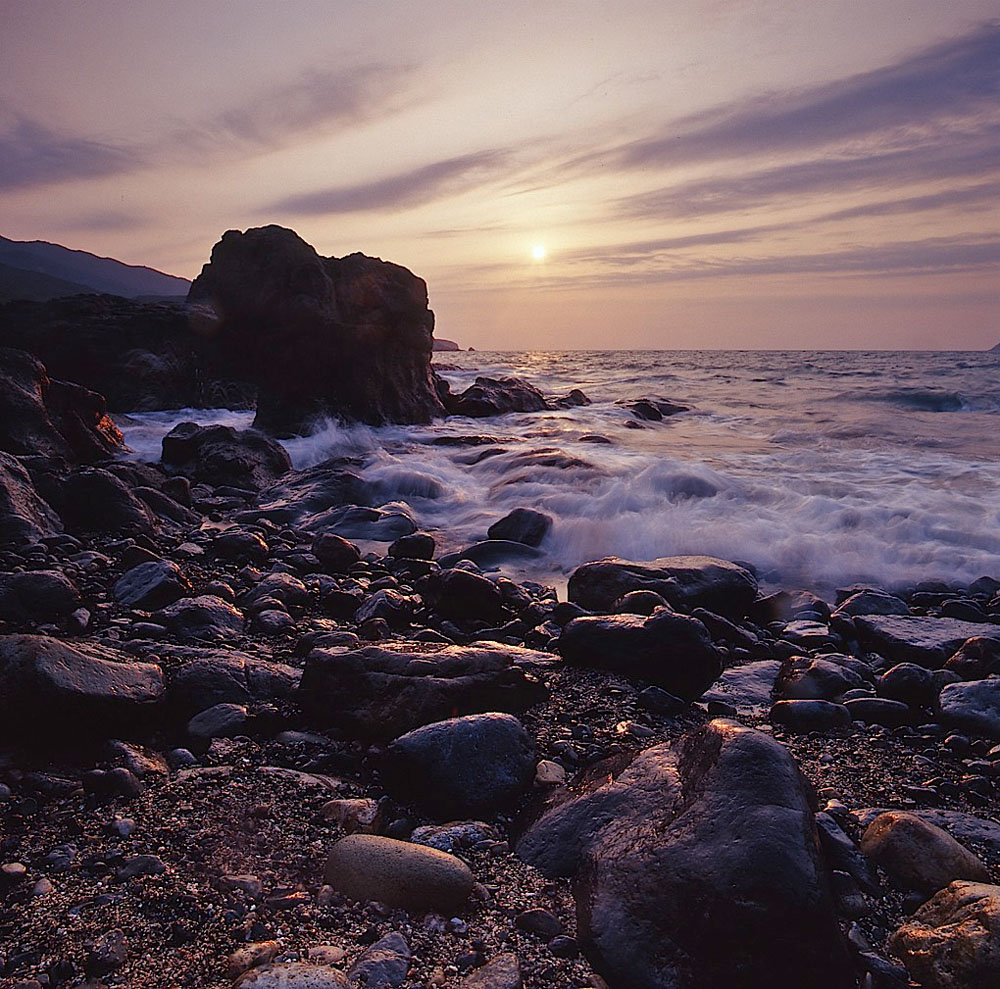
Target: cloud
{"x":987,"y":192}
{"x":957,"y":80}
{"x":32,"y":154}
{"x":412,"y":188}
{"x":313,"y":101}
{"x":925,"y":162}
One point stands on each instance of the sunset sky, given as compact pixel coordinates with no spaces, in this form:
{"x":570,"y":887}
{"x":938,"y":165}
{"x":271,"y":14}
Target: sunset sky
{"x":757,"y":173}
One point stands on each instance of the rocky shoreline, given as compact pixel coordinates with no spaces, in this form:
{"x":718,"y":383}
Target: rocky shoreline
{"x":257,"y":731}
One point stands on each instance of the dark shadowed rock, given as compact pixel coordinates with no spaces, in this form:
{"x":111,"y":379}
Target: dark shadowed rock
{"x":909,"y":683}
{"x":221,"y":455}
{"x":141,"y":356}
{"x":652,"y":409}
{"x":462,"y":767}
{"x":975,"y":659}
{"x":151,"y":585}
{"x":686,"y":582}
{"x":490,"y":553}
{"x":96,"y":501}
{"x":239,"y":544}
{"x":495,"y":396}
{"x":215,"y":677}
{"x":461,"y":594}
{"x":673,"y":651}
{"x":698,"y":866}
{"x":304,"y":498}
{"x":925,"y":641}
{"x":335,"y":553}
{"x":809,"y":715}
{"x":346,"y":337}
{"x":814,"y":678}
{"x":37,"y":595}
{"x":415,"y":546}
{"x":383,"y":691}
{"x":44,"y":417}
{"x":49,"y":687}
{"x":25,"y":517}
{"x":523,"y":525}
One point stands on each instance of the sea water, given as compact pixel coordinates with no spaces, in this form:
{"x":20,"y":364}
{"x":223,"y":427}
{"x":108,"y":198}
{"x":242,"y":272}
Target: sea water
{"x":820,"y":469}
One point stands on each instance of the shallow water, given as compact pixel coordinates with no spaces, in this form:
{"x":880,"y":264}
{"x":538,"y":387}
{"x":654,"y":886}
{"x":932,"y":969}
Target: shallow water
{"x":819,"y":468}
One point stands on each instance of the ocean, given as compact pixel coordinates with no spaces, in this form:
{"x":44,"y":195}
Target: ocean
{"x":822,"y":469}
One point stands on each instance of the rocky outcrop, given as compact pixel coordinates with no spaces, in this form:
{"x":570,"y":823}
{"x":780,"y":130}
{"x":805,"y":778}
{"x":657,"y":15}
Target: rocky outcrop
{"x":25,"y":516}
{"x":698,"y":866}
{"x":43,"y":417}
{"x":493,"y":397}
{"x":140,"y":356}
{"x":343,"y":337}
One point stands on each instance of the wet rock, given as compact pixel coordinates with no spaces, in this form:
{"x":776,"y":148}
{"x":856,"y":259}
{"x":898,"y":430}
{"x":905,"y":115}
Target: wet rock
{"x":355,"y":332}
{"x":50,"y":687}
{"x":37,"y":595}
{"x":917,"y":855}
{"x":384,"y":691}
{"x":221,"y":455}
{"x":460,"y":594}
{"x":43,"y":417}
{"x":523,"y":525}
{"x":491,"y":553}
{"x":303,"y":498}
{"x":652,"y":409}
{"x":25,"y":517}
{"x":397,"y":873}
{"x":335,"y":554}
{"x":686,"y":582}
{"x":673,"y":651}
{"x":748,"y":688}
{"x":383,"y":965}
{"x":359,"y":522}
{"x":204,"y":618}
{"x":495,"y":396}
{"x":871,"y":601}
{"x":152,"y":585}
{"x":461,"y":767}
{"x":691,"y":860}
{"x":972,"y":706}
{"x":953,"y":940}
{"x":415,"y":546}
{"x":925,"y":641}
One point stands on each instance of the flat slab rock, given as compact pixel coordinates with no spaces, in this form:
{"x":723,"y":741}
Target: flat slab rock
{"x":973,"y":707}
{"x":380,"y":692}
{"x":925,"y":641}
{"x":748,"y":688}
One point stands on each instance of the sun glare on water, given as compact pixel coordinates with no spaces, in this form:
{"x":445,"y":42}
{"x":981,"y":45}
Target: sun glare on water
{"x":538,"y":252}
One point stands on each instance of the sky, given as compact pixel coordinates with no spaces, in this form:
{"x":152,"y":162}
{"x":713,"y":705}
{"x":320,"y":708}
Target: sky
{"x":565,"y":174}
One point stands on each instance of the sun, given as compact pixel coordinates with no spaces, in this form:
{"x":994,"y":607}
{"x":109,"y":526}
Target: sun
{"x":538,"y":252}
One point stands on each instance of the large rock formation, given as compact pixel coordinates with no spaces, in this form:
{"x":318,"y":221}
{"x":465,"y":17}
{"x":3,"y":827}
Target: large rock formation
{"x":43,"y":417}
{"x":347,"y":337}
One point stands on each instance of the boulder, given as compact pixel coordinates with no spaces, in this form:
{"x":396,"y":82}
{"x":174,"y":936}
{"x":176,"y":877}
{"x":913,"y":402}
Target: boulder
{"x":686,"y":582}
{"x":240,"y":545}
{"x":814,"y":678}
{"x":383,"y":965}
{"x":221,"y":455}
{"x":151,"y":585}
{"x":495,"y":396}
{"x":501,"y":972}
{"x":344,"y":337}
{"x":523,"y":525}
{"x":37,"y":596}
{"x":748,"y":688}
{"x":909,"y":683}
{"x":368,"y":867}
{"x":49,"y":418}
{"x":975,"y":659}
{"x":965,"y":828}
{"x":214,"y":677}
{"x":335,"y":554}
{"x":972,"y":706}
{"x":953,"y":940}
{"x":206,"y":617}
{"x":921,"y":640}
{"x":415,"y":546}
{"x":383,"y":691}
{"x":871,"y":601}
{"x":460,"y":594}
{"x":673,"y":651}
{"x":303,"y":498}
{"x":25,"y":517}
{"x":94,"y":500}
{"x":698,"y":866}
{"x":809,"y":715}
{"x":652,"y":409}
{"x":917,"y":855}
{"x":51,"y":689}
{"x":462,"y":767}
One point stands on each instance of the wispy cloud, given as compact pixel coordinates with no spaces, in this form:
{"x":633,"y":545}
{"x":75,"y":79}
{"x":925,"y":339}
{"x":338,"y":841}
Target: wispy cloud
{"x":411,"y":188}
{"x":958,"y":80}
{"x":32,"y":154}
